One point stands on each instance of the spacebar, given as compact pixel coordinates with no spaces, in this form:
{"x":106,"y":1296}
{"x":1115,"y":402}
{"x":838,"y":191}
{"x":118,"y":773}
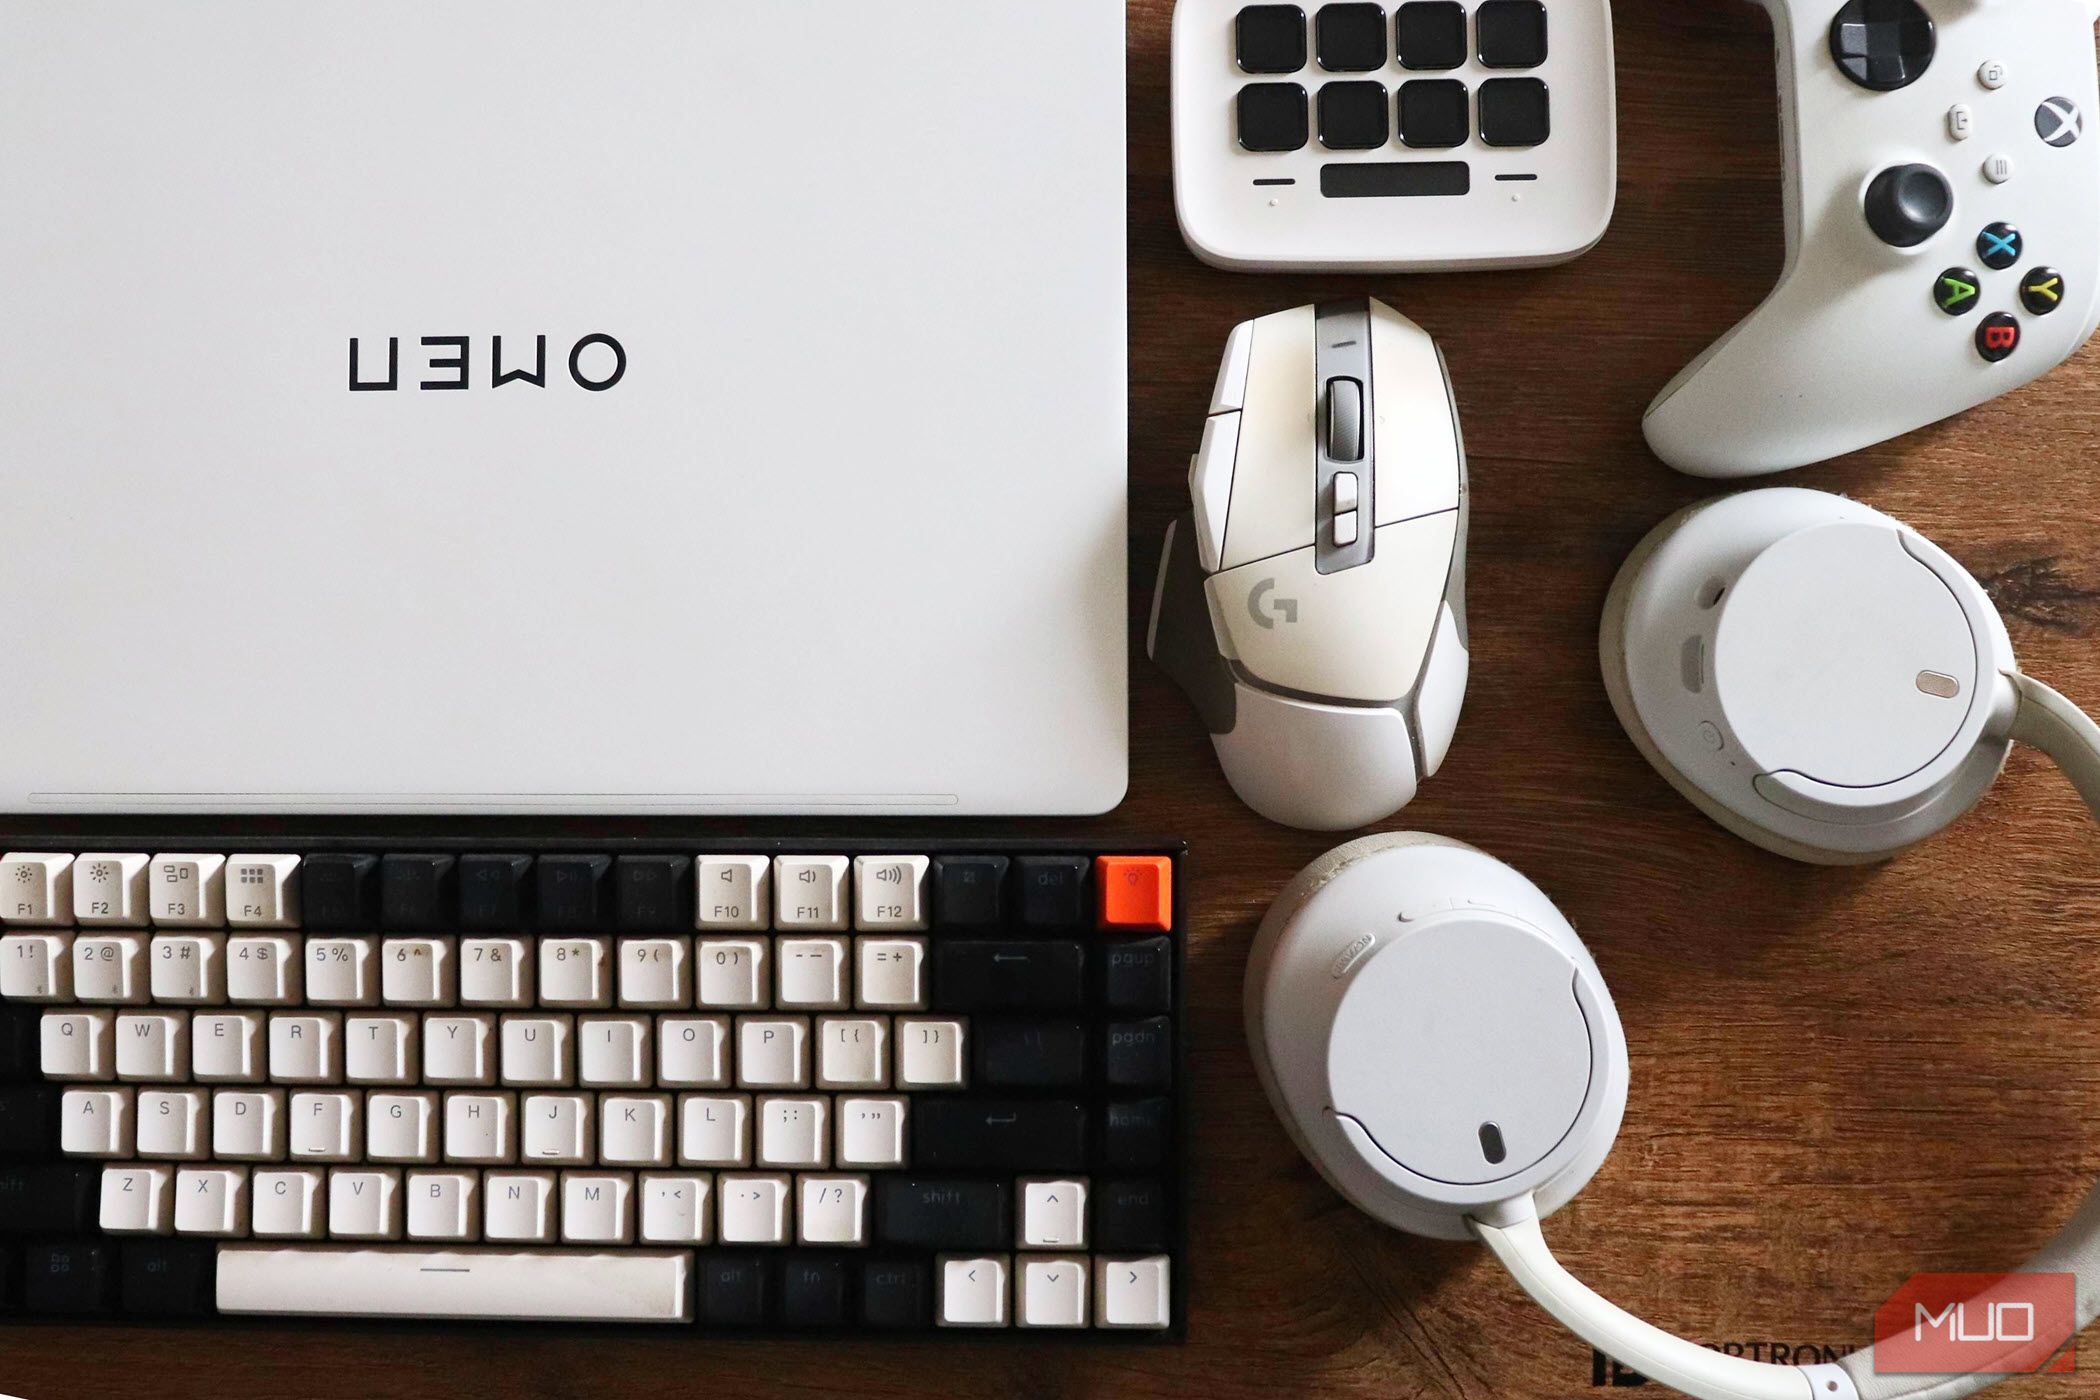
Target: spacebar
{"x":562,"y":1285}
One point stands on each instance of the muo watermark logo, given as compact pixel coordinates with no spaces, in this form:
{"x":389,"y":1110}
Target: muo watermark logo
{"x":1978,"y":1324}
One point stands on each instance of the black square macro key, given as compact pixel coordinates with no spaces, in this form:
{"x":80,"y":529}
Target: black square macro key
{"x":1514,"y":112}
{"x":1353,"y":116}
{"x":1433,"y":113}
{"x":1274,"y":117}
{"x":1431,"y":35}
{"x":1512,"y":33}
{"x":1270,"y":38}
{"x":1350,"y":38}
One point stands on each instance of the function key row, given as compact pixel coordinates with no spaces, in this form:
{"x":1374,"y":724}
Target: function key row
{"x":1425,"y":35}
{"x":1434,"y":114}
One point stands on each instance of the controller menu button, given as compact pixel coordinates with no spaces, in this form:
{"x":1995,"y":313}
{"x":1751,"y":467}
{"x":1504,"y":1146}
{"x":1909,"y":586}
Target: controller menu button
{"x":1957,"y":291}
{"x":1997,"y":337}
{"x":2042,"y":290}
{"x":2000,"y":246}
{"x":1882,"y":44}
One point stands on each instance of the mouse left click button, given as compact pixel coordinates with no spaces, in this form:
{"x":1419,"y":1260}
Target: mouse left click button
{"x":1210,"y":484}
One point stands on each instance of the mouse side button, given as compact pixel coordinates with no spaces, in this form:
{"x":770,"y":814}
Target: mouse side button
{"x":1230,"y":396}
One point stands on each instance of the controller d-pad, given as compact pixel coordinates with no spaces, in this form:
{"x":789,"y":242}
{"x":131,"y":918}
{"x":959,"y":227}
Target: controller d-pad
{"x":1882,"y":44}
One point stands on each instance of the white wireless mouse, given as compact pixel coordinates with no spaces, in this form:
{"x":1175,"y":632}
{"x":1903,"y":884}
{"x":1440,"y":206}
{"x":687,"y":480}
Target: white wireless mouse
{"x":1312,"y":604}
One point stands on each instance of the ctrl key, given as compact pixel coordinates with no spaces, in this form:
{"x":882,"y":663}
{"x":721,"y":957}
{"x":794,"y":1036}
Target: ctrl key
{"x":72,"y":1276}
{"x":973,"y":1290}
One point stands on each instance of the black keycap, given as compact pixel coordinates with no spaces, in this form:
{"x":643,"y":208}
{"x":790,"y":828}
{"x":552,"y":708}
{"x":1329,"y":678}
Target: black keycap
{"x":1351,"y":37}
{"x":654,"y":894}
{"x":1130,"y":1216}
{"x":735,"y":1290}
{"x":814,"y":1291}
{"x":1431,"y":35}
{"x":1270,"y":38}
{"x":969,"y":892}
{"x":973,"y":1134}
{"x":1136,"y":1135}
{"x":169,"y":1278}
{"x":416,"y":893}
{"x":1138,"y":975}
{"x":48,"y":1196}
{"x":971,"y":974}
{"x":1028,"y":1054}
{"x":1433,"y":113}
{"x":1514,"y":112}
{"x":10,"y":1279}
{"x":28,"y":1121}
{"x":1353,"y":117}
{"x":70,"y":1276}
{"x":495,"y":893}
{"x":1274,"y":117}
{"x":1138,"y":1054}
{"x":20,"y":1052}
{"x":895,"y":1293}
{"x":571,"y":892}
{"x":1057,"y":891}
{"x":932,"y":1213}
{"x":339,"y":893}
{"x":1512,"y":33}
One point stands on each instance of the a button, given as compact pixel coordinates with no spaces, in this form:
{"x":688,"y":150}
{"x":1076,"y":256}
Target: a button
{"x":2042,"y":290}
{"x":1345,"y":530}
{"x":1136,"y":892}
{"x":1514,"y":112}
{"x":1907,"y":204}
{"x":1353,"y":117}
{"x":1956,"y":291}
{"x":1345,"y":492}
{"x":1991,"y":74}
{"x":1997,"y":337}
{"x":1997,"y":168}
{"x":1270,"y":38}
{"x":1351,"y":38}
{"x":1345,"y":420}
{"x":1431,"y":34}
{"x":2058,"y":121}
{"x":1882,"y":44}
{"x":2000,"y":246}
{"x":1433,"y":113}
{"x":1961,"y":122}
{"x":1273,"y":117}
{"x":1512,"y":33}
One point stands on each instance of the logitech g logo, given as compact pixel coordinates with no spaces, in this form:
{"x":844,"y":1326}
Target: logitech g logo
{"x":596,"y":362}
{"x":1265,"y":613}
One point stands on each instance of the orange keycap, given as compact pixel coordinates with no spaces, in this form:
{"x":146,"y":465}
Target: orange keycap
{"x":1136,"y":891}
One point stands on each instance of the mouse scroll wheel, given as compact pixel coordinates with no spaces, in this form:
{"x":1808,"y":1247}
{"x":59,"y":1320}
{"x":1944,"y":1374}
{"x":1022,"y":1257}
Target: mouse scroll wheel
{"x":1345,"y":420}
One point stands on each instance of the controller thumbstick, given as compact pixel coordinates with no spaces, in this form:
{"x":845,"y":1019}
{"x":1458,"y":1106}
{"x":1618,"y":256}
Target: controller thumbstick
{"x":1907,"y":204}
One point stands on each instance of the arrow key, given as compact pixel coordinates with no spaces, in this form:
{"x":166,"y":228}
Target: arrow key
{"x":1053,"y":1212}
{"x":1134,"y":1293}
{"x":973,"y":1290}
{"x":1052,"y":1291}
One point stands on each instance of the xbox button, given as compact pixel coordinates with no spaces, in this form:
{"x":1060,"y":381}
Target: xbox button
{"x":1956,"y":292}
{"x":2058,"y":121}
{"x":2042,"y":290}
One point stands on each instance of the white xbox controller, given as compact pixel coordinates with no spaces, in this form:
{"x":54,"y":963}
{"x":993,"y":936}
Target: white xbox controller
{"x":1942,"y":228}
{"x":1313,"y":603}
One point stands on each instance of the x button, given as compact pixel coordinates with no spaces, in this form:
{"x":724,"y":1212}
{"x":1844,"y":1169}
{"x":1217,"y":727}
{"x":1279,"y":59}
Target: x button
{"x":2058,"y":121}
{"x":1999,"y":246}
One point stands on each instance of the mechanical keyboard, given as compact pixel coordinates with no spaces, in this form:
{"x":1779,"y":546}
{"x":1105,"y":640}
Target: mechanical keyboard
{"x":806,"y":1086}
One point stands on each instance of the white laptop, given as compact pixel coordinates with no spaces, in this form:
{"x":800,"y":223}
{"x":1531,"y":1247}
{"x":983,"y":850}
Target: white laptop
{"x":812,"y":503}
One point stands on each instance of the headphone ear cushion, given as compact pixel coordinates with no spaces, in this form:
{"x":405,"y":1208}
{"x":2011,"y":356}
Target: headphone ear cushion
{"x":1309,"y":881}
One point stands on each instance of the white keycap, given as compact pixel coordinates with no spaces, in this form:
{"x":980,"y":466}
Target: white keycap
{"x":248,"y":1124}
{"x":853,"y":1052}
{"x":812,"y":974}
{"x":1052,"y":1291}
{"x":614,"y":1052}
{"x":187,"y":891}
{"x":211,"y":1201}
{"x":174,"y":1124}
{"x":418,"y":972}
{"x":597,"y":1208}
{"x":111,"y":967}
{"x":692,"y":1052}
{"x":36,"y":967}
{"x":443,"y":1205}
{"x":890,"y":892}
{"x":481,"y":1128}
{"x":973,"y":1291}
{"x":676,"y":1209}
{"x":226,"y":1047}
{"x":36,"y":888}
{"x":656,"y":973}
{"x":732,"y":892}
{"x":264,"y":969}
{"x":307,"y":1048}
{"x":809,"y":893}
{"x":495,"y":972}
{"x":794,"y":1132}
{"x":518,"y":1207}
{"x":187,"y":969}
{"x":96,"y":1123}
{"x":536,"y":1050}
{"x":634,"y":1130}
{"x":1053,"y":1212}
{"x":733,"y":974}
{"x":262,"y":891}
{"x":871,"y":1132}
{"x":138,"y":1200}
{"x":78,"y":1044}
{"x":556,"y":1129}
{"x":772,"y":1052}
{"x":560,"y":1285}
{"x":1133,"y":1292}
{"x":752,"y":1209}
{"x":327,"y":1127}
{"x":832,"y":1210}
{"x":109,"y":889}
{"x":285,"y":1203}
{"x":460,"y":1050}
{"x":153,"y":1046}
{"x":892,"y":974}
{"x":381,"y":1049}
{"x":714,"y":1130}
{"x":401,"y":1127}
{"x":342,"y":971}
{"x":364,"y":1204}
{"x":929,"y":1054}
{"x":575,"y":972}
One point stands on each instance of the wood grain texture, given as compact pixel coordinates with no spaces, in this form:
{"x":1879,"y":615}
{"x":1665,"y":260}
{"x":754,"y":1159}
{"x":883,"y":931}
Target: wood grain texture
{"x":1839,"y":1077}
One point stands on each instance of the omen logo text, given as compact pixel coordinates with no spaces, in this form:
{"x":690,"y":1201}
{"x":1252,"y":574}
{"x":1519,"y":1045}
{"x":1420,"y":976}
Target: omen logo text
{"x":596,"y":362}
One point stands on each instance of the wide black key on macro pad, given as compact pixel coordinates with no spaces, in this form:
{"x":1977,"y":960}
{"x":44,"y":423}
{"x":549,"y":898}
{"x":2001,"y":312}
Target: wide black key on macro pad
{"x":982,"y":974}
{"x":69,"y":1276}
{"x":1028,"y":1054}
{"x":48,"y":1196}
{"x":1016,"y":1135}
{"x":933,"y":1213}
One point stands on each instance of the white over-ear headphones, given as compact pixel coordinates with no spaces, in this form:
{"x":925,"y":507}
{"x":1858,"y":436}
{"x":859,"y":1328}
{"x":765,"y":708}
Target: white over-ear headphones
{"x":1814,"y":676}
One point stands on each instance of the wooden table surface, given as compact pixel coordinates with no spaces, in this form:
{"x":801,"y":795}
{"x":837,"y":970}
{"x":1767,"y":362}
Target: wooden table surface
{"x":1839,"y":1077}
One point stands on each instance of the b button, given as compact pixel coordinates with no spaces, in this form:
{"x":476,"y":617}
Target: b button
{"x":1997,"y":337}
{"x":1956,"y":291}
{"x":2042,"y":290}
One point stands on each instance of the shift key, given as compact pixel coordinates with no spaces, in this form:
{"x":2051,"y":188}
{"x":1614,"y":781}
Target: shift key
{"x":1013,"y":1135}
{"x":938,"y":1214}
